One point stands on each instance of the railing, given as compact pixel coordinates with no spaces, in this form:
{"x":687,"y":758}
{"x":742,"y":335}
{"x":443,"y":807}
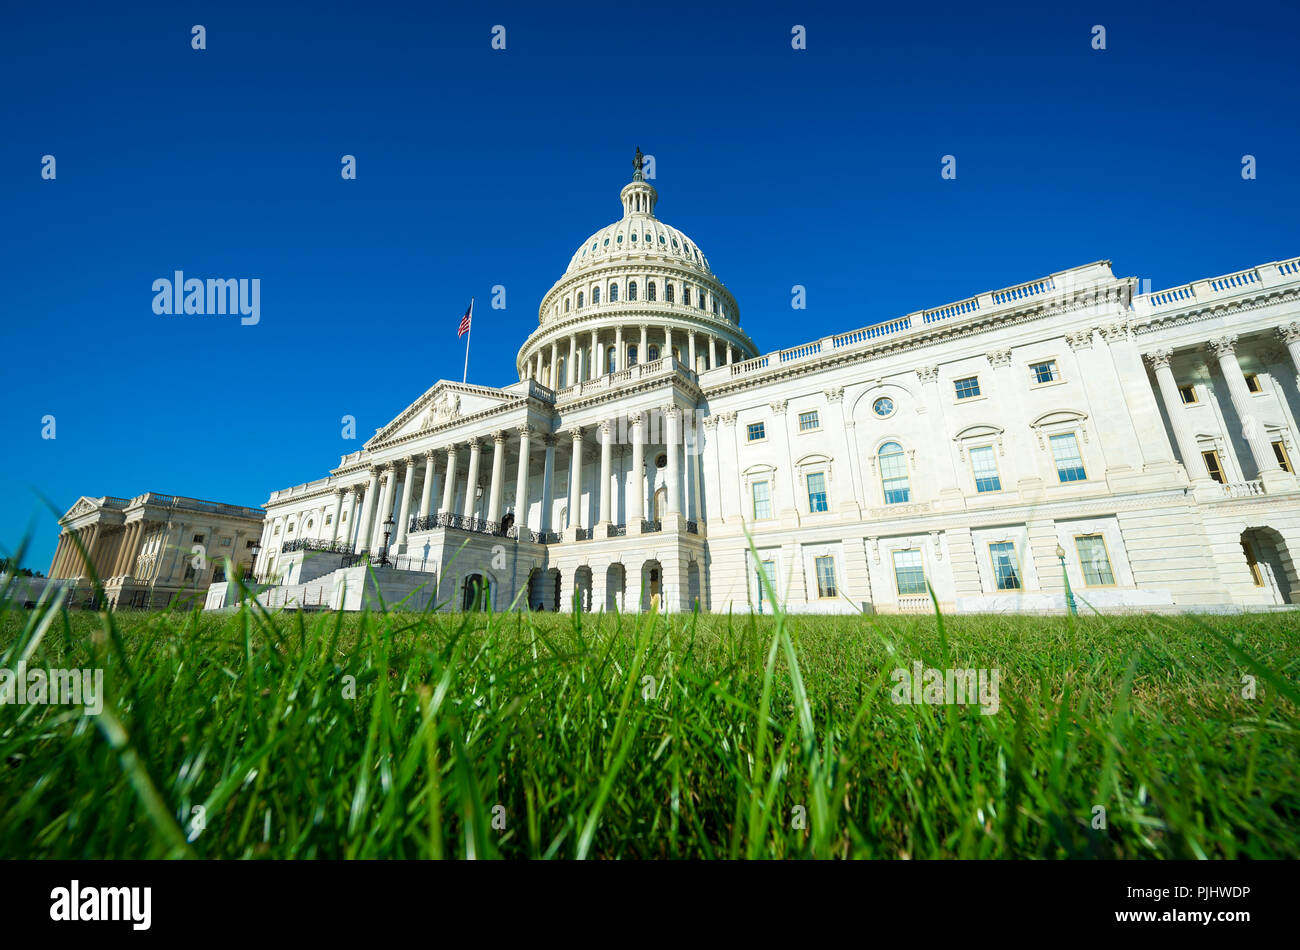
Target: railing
{"x":546,"y":537}
{"x":583,"y":534}
{"x":1243,"y":489}
{"x":459,"y":522}
{"x":692,"y":527}
{"x":650,"y":527}
{"x":401,"y":562}
{"x":617,"y":530}
{"x":1227,"y":285}
{"x":915,"y":605}
{"x":314,"y":544}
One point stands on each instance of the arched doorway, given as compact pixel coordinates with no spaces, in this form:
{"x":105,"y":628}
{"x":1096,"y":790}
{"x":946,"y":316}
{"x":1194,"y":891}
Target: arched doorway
{"x":661,"y":502}
{"x":544,"y":590}
{"x":582,"y":588}
{"x":507,"y":522}
{"x":652,"y":574}
{"x":476,"y":593}
{"x":1269,"y":563}
{"x":615,"y":583}
{"x":694,"y":586}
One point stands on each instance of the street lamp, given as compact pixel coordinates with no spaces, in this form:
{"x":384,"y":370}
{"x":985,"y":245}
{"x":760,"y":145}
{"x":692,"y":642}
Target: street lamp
{"x":1069,"y":594}
{"x":388,"y":532}
{"x":255,"y":550}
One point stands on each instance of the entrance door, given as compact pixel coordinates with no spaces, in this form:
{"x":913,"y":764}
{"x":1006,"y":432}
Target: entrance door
{"x":768,"y":568}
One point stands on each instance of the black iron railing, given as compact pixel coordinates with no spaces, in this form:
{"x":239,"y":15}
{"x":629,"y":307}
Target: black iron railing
{"x":546,"y":537}
{"x":583,"y":534}
{"x":617,"y":530}
{"x":692,"y":528}
{"x":312,"y":544}
{"x":459,"y":522}
{"x":649,"y":527}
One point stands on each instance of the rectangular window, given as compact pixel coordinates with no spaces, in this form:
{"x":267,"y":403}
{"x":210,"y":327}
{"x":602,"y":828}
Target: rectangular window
{"x":1094,"y":560}
{"x":1006,"y":572}
{"x":1188,"y":393}
{"x":909,"y":572}
{"x":755,"y":431}
{"x":826,"y":576}
{"x":1283,"y":458}
{"x":817,"y":492}
{"x":1044,"y":372}
{"x":1256,"y":574}
{"x":808,"y":421}
{"x":1213,"y":466}
{"x":1252,"y":383}
{"x":198,"y":539}
{"x":968,"y":387}
{"x":762,"y":500}
{"x":329,"y":520}
{"x":985,"y":466}
{"x":1069,"y":464}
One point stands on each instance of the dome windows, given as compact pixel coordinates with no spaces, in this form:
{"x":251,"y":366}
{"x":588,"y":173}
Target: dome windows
{"x":606,"y":242}
{"x":674,"y":242}
{"x":595,"y":296}
{"x":613,"y":293}
{"x":652,"y":352}
{"x":686,"y":296}
{"x":631,"y":290}
{"x":650,"y":291}
{"x":579,"y":299}
{"x":566,"y":304}
{"x":619,"y":239}
{"x":633,"y":237}
{"x":661,"y":239}
{"x":884,"y":406}
{"x":668,"y":293}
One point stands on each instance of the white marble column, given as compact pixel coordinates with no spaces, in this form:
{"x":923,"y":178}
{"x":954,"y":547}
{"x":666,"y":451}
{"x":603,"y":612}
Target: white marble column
{"x":690,"y":347}
{"x":449,"y":482}
{"x":498,"y":476}
{"x":1193,"y":462}
{"x":643,"y":354}
{"x":367,"y":511}
{"x":349,"y":517}
{"x":1289,"y":334}
{"x":408,"y":489}
{"x":548,"y":483}
{"x":1252,"y":427}
{"x":426,"y":490}
{"x":575,"y":479}
{"x":555,"y":364}
{"x":606,"y":458}
{"x":471,"y":478}
{"x":521,"y":478}
{"x":728,"y":346}
{"x":385,"y":509}
{"x":620,"y":358}
{"x":597,"y":368}
{"x":338,"y":514}
{"x":672,"y":419}
{"x":571,"y":368}
{"x":636,"y":506}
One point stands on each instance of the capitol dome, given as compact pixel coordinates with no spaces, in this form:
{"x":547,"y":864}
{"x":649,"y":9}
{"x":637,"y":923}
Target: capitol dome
{"x":634,"y":291}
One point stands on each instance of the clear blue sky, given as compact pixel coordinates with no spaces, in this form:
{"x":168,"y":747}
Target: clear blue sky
{"x":479,"y":167}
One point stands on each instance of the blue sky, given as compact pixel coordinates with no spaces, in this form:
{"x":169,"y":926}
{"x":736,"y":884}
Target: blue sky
{"x":479,"y":167}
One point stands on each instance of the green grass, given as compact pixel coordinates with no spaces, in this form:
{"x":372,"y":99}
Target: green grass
{"x":514,"y":735}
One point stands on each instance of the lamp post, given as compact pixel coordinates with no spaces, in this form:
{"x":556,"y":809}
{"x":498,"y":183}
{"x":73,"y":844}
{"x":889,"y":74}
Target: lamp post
{"x":1069,"y":594}
{"x":388,"y":532}
{"x":255,"y":550}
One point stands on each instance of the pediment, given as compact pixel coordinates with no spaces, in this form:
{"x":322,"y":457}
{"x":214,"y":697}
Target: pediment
{"x":445,"y":403}
{"x":981,"y":431}
{"x":1059,"y":417}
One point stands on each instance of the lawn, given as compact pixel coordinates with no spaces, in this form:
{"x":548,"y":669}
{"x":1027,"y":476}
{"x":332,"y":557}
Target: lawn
{"x":290,"y":735}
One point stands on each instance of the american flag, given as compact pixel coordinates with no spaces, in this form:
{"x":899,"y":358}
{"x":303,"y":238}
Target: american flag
{"x":464,"y":321}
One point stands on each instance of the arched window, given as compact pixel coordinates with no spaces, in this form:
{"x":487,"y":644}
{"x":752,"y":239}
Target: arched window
{"x":595,"y":296}
{"x":611,"y":360}
{"x":613,"y":293}
{"x":566,"y":304}
{"x":893,"y":473}
{"x":631,"y":355}
{"x":668,"y":293}
{"x":715,"y":307}
{"x":650,"y":291}
{"x":686,"y":296}
{"x":631,"y":290}
{"x":652,"y":353}
{"x":579,"y":299}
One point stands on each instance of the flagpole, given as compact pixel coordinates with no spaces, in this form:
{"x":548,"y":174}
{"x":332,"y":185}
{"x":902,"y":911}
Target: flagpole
{"x":468,"y":333}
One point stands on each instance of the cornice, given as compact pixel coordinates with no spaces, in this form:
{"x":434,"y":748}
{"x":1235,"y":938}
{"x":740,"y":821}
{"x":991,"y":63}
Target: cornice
{"x":1213,"y":310}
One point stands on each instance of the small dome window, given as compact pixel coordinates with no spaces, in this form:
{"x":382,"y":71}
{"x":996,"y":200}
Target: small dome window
{"x":606,"y":242}
{"x":620,"y":239}
{"x":661,"y":239}
{"x":595,"y":296}
{"x":674,"y":242}
{"x":633,"y":235}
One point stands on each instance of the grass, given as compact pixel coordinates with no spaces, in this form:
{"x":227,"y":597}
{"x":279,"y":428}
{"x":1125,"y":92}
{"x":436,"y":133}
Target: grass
{"x":290,"y":735}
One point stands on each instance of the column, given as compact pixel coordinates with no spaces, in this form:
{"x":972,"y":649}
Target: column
{"x":132,"y":546}
{"x":58,"y":553}
{"x":636,"y":506}
{"x":426,"y":490}
{"x":606,"y":458}
{"x":728,"y":346}
{"x":1187,"y":447}
{"x":571,"y":368}
{"x":521,"y":479}
{"x":349,"y":518}
{"x":449,"y":482}
{"x":367,"y":509}
{"x":672,"y":418}
{"x":385,"y":509}
{"x":120,"y":555}
{"x":404,"y":518}
{"x":643,"y":354}
{"x":471,"y":480}
{"x":498,"y":476}
{"x":620,"y":358}
{"x":597,"y":368}
{"x":1252,"y":427}
{"x":548,"y":483}
{"x":1290,"y":336}
{"x":697,"y":457}
{"x":575,"y":479}
{"x":713,"y":351}
{"x":555,"y":364}
{"x":668,"y":344}
{"x":338,"y":512}
{"x":690,"y":348}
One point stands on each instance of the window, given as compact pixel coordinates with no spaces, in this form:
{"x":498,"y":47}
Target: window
{"x":249,"y":542}
{"x":762,"y":492}
{"x":631,"y":355}
{"x":668,"y":293}
{"x":883,"y":406}
{"x":1094,"y":560}
{"x":579,"y":299}
{"x":825,"y":567}
{"x":1283,"y":459}
{"x":985,"y":466}
{"x":967,"y":387}
{"x":1044,"y":372}
{"x":650,"y":291}
{"x":1006,"y":572}
{"x":198,"y":538}
{"x":817,"y":492}
{"x":686,"y":296}
{"x":893,"y":473}
{"x":613,"y":293}
{"x":909,"y":573}
{"x":1256,"y":574}
{"x":756,"y":431}
{"x":1252,"y":383}
{"x":808,"y":421}
{"x":715,"y":307}
{"x":611,"y":360}
{"x":631,"y":290}
{"x":329,"y":520}
{"x":566,"y":305}
{"x":1188,"y":393}
{"x":1069,"y":465}
{"x":595,"y":296}
{"x":652,"y":352}
{"x":1213,"y":466}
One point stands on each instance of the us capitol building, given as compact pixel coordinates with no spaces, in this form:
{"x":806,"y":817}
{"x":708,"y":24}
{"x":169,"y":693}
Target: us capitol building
{"x":1147,"y":441}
